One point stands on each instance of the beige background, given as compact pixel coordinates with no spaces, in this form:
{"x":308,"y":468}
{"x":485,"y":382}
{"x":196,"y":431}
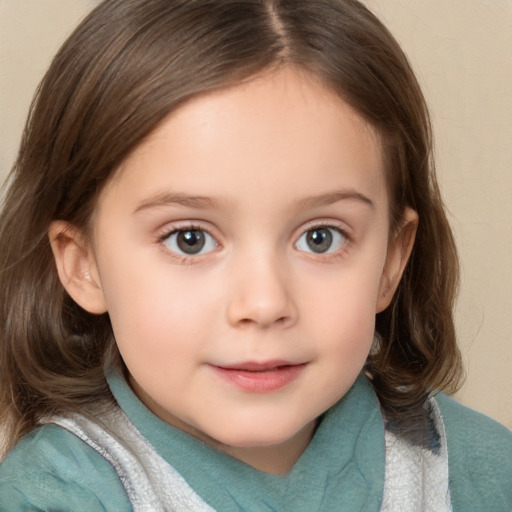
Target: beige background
{"x":462,"y":52}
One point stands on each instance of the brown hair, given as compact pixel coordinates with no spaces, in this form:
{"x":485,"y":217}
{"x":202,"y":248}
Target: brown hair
{"x":128,"y":65}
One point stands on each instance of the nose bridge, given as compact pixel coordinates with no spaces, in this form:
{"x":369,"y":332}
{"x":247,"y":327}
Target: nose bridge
{"x":260,"y":289}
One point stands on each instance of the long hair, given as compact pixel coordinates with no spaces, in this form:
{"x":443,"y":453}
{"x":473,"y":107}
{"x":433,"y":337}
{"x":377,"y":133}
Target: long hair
{"x":124,"y":69}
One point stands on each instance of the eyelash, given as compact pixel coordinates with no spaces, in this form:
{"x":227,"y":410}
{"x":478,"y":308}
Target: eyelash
{"x":184,"y":259}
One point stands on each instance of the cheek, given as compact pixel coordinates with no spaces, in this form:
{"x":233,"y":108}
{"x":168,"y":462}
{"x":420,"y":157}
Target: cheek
{"x":342,"y":308}
{"x":156,"y":312}
{"x":342,"y":293}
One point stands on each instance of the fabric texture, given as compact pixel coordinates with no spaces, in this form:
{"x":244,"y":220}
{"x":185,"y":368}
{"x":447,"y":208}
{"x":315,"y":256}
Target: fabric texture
{"x":416,"y":478}
{"x":151,"y":484}
{"x":341,"y":470}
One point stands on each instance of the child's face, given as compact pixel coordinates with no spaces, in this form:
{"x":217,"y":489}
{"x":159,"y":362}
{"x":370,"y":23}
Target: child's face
{"x":242,"y":254}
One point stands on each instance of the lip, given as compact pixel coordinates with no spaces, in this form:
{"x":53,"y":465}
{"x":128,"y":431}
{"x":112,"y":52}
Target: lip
{"x":260,"y":377}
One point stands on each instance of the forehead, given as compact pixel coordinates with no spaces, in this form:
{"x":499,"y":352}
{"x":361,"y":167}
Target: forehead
{"x":283,"y":127}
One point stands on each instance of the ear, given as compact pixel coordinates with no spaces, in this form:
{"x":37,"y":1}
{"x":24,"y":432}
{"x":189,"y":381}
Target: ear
{"x":76,"y":266}
{"x":399,"y":249}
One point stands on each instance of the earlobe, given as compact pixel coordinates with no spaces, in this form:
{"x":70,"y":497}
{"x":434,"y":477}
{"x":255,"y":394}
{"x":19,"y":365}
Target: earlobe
{"x":76,"y":266}
{"x":399,"y":249}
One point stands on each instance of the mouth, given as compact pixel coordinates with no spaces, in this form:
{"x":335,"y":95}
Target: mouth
{"x":256,"y":377}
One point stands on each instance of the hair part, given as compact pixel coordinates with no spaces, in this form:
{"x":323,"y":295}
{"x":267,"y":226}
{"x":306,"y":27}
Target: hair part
{"x":124,"y":69}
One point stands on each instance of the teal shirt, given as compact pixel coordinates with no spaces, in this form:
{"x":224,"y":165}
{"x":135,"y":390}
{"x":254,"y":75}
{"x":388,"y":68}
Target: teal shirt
{"x":341,"y":470}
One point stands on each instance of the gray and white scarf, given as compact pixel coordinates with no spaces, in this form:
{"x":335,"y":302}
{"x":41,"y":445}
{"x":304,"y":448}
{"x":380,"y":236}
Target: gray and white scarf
{"x":416,"y":477}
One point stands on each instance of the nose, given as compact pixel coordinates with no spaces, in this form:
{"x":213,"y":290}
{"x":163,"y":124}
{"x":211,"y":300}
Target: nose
{"x":261,"y":294}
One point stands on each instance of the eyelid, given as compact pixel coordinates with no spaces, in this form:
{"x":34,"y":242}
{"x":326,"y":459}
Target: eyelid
{"x":186,"y":225}
{"x":326,"y":223}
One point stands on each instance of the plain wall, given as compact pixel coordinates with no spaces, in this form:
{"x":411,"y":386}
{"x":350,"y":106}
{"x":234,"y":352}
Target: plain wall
{"x":462,"y":53}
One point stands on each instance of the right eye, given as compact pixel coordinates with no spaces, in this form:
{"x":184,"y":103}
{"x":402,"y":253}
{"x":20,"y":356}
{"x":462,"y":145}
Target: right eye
{"x":189,"y":242}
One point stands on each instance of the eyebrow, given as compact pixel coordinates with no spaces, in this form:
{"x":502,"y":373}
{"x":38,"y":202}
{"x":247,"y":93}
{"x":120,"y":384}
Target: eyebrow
{"x":166,"y":199}
{"x":203,"y":202}
{"x":334,"y":197}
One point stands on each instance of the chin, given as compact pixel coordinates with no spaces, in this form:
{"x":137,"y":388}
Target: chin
{"x":261,"y":436}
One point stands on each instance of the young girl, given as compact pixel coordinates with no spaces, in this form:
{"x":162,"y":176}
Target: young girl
{"x":227,"y":277}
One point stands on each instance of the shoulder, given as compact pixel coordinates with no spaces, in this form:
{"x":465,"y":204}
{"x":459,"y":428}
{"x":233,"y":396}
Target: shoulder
{"x":480,"y":459}
{"x":51,"y":469}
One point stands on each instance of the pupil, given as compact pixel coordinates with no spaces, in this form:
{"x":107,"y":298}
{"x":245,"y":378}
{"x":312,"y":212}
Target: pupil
{"x":319,"y":240}
{"x":190,"y":242}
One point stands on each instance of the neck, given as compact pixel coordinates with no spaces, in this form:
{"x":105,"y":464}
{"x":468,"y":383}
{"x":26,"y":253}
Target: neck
{"x":275,"y":459}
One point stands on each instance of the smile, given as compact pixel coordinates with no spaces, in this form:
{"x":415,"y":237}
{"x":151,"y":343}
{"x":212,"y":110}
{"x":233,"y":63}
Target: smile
{"x":260,"y":377}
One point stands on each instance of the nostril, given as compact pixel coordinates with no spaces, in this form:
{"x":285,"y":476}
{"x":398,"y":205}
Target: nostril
{"x":281,"y":322}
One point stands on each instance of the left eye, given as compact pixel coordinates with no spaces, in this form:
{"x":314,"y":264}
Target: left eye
{"x":190,"y":242}
{"x":321,"y":240}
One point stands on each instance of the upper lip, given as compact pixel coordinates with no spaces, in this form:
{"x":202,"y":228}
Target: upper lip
{"x":255,"y":366}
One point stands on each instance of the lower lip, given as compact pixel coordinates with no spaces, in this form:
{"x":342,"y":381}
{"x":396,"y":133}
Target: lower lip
{"x":261,"y":381}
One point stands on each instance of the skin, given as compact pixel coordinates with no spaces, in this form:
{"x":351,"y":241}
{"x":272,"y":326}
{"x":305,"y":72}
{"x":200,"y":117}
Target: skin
{"x":254,"y":168}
